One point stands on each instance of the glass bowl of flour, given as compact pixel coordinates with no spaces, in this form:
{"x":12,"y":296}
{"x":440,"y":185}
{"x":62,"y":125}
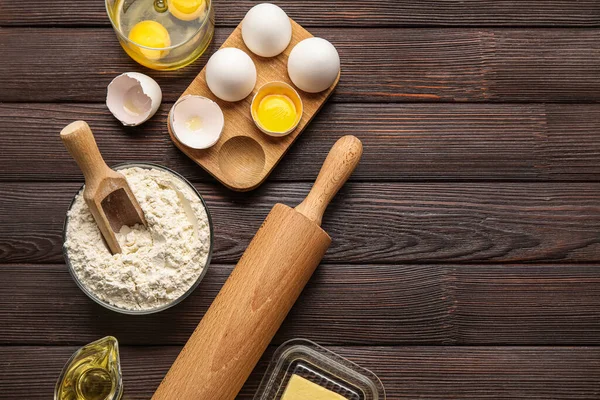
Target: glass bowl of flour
{"x":159,"y":265}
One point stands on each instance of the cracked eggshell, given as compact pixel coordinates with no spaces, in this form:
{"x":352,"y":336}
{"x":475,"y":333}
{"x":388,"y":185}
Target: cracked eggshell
{"x":133,"y":98}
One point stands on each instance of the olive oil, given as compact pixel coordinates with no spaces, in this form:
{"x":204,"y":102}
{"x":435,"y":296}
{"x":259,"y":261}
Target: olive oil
{"x":92,"y":373}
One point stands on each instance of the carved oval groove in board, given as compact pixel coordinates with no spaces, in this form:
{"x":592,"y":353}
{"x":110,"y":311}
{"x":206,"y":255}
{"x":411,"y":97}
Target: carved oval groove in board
{"x":242,"y":161}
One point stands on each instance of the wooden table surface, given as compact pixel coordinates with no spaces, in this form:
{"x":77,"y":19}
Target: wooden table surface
{"x":465,"y":261}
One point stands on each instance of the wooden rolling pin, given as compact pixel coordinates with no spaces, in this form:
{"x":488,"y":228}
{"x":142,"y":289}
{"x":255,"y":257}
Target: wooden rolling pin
{"x":263,"y":287}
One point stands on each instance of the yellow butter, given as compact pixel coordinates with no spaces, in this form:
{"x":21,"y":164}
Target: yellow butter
{"x":299,"y":388}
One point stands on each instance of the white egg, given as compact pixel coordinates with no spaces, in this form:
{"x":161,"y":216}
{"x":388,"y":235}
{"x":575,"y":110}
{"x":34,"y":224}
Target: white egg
{"x":196,"y":121}
{"x":133,"y":98}
{"x":266,"y":30}
{"x":230,"y":74}
{"x":314,"y":65}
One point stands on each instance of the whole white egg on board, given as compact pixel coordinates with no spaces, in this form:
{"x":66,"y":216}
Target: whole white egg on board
{"x":230,"y":74}
{"x":266,"y":30}
{"x":313,"y":65}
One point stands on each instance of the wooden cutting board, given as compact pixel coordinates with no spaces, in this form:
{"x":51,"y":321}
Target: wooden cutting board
{"x":244,"y":156}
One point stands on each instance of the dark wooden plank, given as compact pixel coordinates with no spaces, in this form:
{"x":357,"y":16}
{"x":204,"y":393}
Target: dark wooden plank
{"x":570,"y":147}
{"x":525,"y":67}
{"x":358,"y":304}
{"x":385,"y":65}
{"x":369,"y":222}
{"x":340,"y":13}
{"x":409,"y":142}
{"x":406,"y":372}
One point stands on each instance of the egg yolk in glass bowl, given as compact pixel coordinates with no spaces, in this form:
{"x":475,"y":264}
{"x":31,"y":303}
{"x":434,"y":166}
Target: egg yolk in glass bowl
{"x":150,"y":34}
{"x":186,"y":10}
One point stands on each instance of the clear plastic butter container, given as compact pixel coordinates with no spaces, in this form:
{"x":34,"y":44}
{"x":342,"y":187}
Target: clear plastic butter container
{"x":302,"y":360}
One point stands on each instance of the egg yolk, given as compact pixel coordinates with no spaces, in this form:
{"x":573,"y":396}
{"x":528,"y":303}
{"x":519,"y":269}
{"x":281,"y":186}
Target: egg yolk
{"x":150,"y":34}
{"x":276,"y":113}
{"x":186,"y":10}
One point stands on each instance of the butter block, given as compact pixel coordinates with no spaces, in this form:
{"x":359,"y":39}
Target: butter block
{"x":300,"y":388}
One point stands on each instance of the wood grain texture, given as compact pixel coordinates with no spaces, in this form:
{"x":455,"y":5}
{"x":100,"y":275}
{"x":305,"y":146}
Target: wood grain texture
{"x":406,"y":372}
{"x":369,"y":222}
{"x":249,"y":309}
{"x":244,"y":156}
{"x":363,"y":13}
{"x":358,"y":304}
{"x":340,"y":163}
{"x":408,"y":142}
{"x":379,"y":65}
{"x":466,"y":224}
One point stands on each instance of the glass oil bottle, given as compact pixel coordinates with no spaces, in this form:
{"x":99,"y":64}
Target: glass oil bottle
{"x":92,"y":373}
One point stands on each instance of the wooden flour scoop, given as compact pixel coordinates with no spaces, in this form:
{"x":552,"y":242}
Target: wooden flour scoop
{"x":234,"y":333}
{"x":106,"y":192}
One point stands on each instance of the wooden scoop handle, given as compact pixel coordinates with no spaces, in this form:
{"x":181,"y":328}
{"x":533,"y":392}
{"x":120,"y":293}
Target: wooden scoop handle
{"x":337,"y":168}
{"x":79,"y":140}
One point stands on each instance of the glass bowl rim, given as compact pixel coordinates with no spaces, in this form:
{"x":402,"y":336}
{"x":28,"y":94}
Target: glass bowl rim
{"x":84,"y":289}
{"x":172,"y":47}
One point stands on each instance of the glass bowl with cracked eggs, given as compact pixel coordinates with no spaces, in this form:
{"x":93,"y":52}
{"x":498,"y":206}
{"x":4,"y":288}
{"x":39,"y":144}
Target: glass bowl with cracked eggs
{"x":161,"y":264}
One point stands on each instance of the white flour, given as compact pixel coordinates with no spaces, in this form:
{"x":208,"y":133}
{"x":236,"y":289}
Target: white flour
{"x":158,"y":264}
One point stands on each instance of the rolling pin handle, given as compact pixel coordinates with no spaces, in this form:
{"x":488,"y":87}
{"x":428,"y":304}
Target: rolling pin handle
{"x":337,"y":168}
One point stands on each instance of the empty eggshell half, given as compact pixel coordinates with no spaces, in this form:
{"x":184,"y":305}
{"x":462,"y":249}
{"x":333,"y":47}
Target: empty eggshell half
{"x":133,"y":98}
{"x":196,"y":121}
